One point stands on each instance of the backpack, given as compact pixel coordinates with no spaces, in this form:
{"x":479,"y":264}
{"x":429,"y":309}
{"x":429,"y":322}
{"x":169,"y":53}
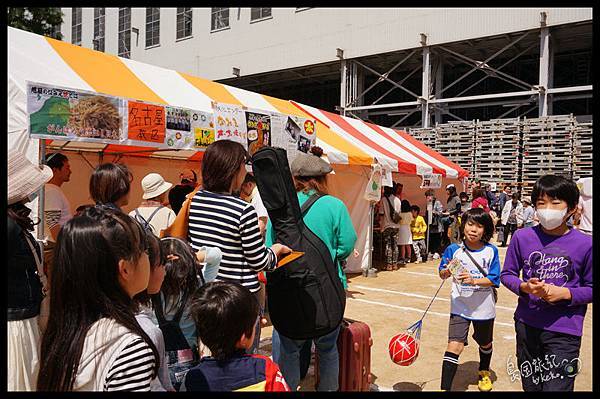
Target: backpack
{"x":306,"y":298}
{"x":174,"y":338}
{"x":394,"y":216}
{"x":146,"y":223}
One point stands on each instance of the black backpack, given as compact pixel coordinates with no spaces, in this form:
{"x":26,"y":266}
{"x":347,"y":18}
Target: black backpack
{"x":146,"y":223}
{"x":172,"y":334}
{"x":306,"y":298}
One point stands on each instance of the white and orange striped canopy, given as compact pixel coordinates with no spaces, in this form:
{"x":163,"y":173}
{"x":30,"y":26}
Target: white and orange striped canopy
{"x":344,"y":140}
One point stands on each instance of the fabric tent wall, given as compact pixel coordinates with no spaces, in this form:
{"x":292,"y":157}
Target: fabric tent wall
{"x":77,"y":189}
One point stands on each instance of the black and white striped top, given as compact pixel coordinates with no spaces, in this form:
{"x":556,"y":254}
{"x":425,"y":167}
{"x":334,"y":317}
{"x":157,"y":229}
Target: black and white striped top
{"x":132,"y":369}
{"x":231,"y":224}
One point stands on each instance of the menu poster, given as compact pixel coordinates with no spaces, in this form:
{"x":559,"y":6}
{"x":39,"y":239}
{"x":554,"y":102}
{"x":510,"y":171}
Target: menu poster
{"x":302,"y":131}
{"x":74,"y":115}
{"x":203,"y":128}
{"x":230,"y":123}
{"x":179,"y":128}
{"x":431,"y":180}
{"x":146,"y":122}
{"x":259,"y":131}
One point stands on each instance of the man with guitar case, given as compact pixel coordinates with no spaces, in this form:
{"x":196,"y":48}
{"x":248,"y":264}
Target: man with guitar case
{"x":306,"y":297}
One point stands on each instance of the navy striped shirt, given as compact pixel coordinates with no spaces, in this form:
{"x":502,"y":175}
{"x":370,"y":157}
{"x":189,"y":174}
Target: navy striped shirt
{"x":230,"y":224}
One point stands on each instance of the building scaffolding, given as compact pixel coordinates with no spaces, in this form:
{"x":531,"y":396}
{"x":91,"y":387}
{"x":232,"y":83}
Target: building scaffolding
{"x":432,"y":100}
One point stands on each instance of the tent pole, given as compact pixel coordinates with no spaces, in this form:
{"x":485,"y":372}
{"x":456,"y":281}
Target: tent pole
{"x":371,"y":207}
{"x":42,"y":194}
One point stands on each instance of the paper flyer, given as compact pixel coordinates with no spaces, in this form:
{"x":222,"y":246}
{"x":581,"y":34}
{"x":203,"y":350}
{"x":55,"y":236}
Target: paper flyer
{"x":431,"y":180}
{"x":203,"y":129}
{"x":66,"y":114}
{"x":259,"y":131}
{"x":373,"y":188}
{"x":230,"y":123}
{"x":146,"y":122}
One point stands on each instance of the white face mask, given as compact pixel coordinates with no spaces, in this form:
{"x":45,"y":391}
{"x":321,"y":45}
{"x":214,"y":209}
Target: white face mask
{"x":551,"y":218}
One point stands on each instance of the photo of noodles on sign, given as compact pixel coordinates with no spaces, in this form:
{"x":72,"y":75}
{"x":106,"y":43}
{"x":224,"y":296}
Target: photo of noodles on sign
{"x":64,"y":114}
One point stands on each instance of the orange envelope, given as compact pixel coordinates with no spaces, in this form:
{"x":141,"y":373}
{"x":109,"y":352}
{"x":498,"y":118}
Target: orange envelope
{"x":289,"y":257}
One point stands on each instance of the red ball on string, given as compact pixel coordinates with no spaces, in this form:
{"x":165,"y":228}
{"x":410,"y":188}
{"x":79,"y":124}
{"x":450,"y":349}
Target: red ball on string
{"x":404,"y":349}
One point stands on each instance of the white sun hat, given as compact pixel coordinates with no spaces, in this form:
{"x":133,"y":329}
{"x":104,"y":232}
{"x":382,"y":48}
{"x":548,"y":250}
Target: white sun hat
{"x":24,"y":178}
{"x":154,"y":185}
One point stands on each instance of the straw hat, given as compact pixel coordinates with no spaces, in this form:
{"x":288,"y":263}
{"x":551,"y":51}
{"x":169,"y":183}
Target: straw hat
{"x":154,"y":185}
{"x":24,"y":178}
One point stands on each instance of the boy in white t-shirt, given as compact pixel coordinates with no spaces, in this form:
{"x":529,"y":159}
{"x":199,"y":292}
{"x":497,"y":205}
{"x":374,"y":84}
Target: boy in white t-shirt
{"x":475,"y":268}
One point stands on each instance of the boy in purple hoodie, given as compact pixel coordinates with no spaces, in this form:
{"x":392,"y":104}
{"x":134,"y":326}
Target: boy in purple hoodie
{"x":554,"y":288}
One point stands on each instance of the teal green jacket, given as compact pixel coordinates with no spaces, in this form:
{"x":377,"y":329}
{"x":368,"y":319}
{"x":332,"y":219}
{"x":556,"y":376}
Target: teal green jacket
{"x":329,"y":219}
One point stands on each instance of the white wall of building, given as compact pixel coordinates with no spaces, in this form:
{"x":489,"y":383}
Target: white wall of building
{"x":297,"y":38}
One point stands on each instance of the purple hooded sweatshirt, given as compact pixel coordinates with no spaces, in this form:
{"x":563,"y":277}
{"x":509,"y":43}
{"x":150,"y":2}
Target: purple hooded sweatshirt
{"x":565,"y":261}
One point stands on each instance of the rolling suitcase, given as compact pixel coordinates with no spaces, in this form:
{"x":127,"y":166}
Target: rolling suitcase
{"x":354,"y":346}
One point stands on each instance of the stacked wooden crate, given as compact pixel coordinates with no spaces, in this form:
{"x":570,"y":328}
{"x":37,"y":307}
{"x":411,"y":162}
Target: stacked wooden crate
{"x":547,"y":148}
{"x":497,"y":151}
{"x":582,"y":150}
{"x":456,"y":141}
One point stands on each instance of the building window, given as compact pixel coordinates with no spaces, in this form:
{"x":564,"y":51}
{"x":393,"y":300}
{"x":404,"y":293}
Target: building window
{"x":125,"y":32}
{"x":259,"y":13}
{"x":152,"y":26}
{"x":219,"y":18}
{"x":184,"y":22}
{"x":98,"y":29}
{"x":76,"y":25}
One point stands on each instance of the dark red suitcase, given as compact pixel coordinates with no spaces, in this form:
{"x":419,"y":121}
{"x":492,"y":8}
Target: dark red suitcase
{"x":354,"y":346}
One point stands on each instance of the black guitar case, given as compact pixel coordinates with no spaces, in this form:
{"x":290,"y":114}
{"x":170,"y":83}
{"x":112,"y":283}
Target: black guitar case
{"x":306,"y":298}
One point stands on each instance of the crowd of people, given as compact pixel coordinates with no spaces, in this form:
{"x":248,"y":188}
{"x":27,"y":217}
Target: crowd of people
{"x":116,"y":305}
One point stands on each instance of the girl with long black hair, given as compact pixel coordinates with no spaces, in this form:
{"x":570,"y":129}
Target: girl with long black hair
{"x":93,"y":341}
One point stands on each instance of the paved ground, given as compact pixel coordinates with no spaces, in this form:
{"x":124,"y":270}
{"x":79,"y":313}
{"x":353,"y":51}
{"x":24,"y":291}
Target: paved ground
{"x":394,"y":300}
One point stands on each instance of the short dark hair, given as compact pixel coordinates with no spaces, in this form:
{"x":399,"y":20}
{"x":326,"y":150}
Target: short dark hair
{"x":430,"y":192}
{"x":478,"y":215}
{"x":220,"y":164}
{"x":110,"y":182}
{"x":477,"y":192}
{"x":232,"y":308}
{"x":56,"y":160}
{"x":516,"y":195}
{"x":415,"y":208}
{"x":387,"y":191}
{"x":404,"y":206}
{"x":556,"y":187}
{"x":463,"y":195}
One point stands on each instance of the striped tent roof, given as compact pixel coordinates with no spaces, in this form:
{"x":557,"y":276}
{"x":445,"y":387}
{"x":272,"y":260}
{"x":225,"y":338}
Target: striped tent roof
{"x":344,"y":140}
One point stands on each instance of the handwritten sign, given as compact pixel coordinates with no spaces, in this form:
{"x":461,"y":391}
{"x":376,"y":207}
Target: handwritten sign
{"x":230,"y":123}
{"x":146,"y":122}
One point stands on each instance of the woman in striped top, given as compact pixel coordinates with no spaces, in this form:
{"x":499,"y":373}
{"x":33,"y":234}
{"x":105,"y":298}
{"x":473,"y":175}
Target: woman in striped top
{"x":93,"y":341}
{"x":218,"y":219}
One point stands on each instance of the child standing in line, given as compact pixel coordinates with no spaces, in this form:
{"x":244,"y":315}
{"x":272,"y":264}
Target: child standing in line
{"x":404,"y":233}
{"x":226,"y":315}
{"x":143,"y":304}
{"x":418,"y":227}
{"x":556,"y":267}
{"x":473,"y":299}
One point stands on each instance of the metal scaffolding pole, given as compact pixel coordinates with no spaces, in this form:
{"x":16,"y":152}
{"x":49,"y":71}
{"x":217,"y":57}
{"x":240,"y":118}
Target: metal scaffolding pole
{"x":545,"y":81}
{"x":343,"y":86}
{"x":425,"y":88}
{"x":439,"y":82}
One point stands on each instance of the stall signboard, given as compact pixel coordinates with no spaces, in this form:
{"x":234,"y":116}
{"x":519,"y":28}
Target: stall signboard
{"x":230,"y":123}
{"x":188,"y":129}
{"x":293,"y":133}
{"x":258,"y":127}
{"x":146,"y":123}
{"x":431,"y":180}
{"x":75,"y":115}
